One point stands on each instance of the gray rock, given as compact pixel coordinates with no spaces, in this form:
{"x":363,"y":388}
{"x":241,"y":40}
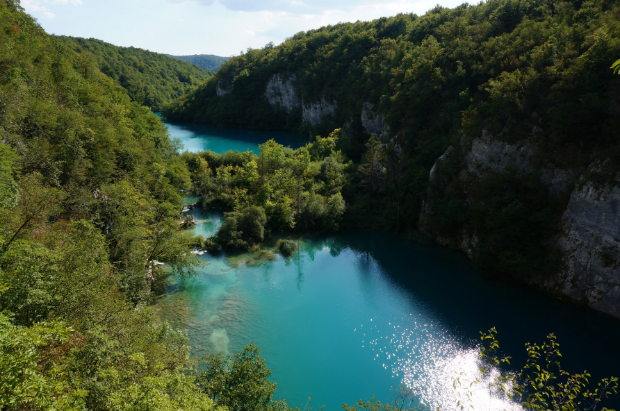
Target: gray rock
{"x":590,"y":246}
{"x":433,"y":174}
{"x":490,"y":154}
{"x":314,"y":113}
{"x":222,"y":88}
{"x":282,"y":93}
{"x":372,"y":122}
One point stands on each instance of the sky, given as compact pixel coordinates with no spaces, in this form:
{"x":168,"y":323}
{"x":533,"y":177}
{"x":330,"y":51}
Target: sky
{"x":220,"y":27}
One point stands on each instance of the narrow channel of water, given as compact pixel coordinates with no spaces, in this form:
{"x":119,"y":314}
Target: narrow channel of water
{"x":356,"y":313}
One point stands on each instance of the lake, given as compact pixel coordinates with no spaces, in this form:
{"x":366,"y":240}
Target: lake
{"x":355,"y":313}
{"x":202,"y":137}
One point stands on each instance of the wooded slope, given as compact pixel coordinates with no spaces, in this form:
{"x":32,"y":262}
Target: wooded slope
{"x":151,"y":79}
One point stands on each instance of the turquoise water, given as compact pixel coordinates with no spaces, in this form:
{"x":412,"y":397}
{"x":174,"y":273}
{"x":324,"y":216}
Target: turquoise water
{"x":201,"y":137}
{"x":355,"y":313}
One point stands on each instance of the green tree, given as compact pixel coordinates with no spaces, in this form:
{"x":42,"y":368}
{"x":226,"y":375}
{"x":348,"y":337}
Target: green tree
{"x":372,"y":167}
{"x":239,"y":383}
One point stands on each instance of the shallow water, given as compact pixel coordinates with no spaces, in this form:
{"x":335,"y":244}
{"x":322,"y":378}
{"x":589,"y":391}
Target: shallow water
{"x":355,"y":313}
{"x":200,"y":137}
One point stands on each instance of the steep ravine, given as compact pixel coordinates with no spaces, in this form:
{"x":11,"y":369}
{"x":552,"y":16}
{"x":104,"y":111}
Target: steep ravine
{"x":587,"y":244}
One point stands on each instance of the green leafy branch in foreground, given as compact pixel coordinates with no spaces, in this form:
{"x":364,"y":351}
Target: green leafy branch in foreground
{"x":543,"y":384}
{"x":239,"y":383}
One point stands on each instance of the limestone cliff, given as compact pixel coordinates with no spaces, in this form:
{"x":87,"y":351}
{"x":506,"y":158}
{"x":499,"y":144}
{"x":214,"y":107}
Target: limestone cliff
{"x":222,"y":88}
{"x":372,"y":122}
{"x":489,"y":154}
{"x":315,"y":113}
{"x":282,"y":93}
{"x":590,"y":245}
{"x":588,"y":239}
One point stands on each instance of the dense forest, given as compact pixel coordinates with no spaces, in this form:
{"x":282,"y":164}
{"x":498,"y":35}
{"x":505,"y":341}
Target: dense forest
{"x":89,"y":199}
{"x":206,"y":61}
{"x":151,"y":79}
{"x":530,"y":76}
{"x":90,"y":203}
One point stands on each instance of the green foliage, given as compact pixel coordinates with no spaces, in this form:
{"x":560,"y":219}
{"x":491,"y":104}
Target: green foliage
{"x":542,"y":384}
{"x":616,"y":67}
{"x":206,"y":61}
{"x":292,"y":189}
{"x":243,"y":228}
{"x":89,"y":199}
{"x":8,"y":187}
{"x":150,"y":79}
{"x":34,"y":372}
{"x":286,"y":247}
{"x":405,"y":400}
{"x":239,"y":383}
{"x":519,"y":70}
{"x":511,"y":215}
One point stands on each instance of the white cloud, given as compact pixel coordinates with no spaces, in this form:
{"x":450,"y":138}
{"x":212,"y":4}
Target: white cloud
{"x":38,"y":7}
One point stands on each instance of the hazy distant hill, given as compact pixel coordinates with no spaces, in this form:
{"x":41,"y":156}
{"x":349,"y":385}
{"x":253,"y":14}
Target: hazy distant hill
{"x":150,"y":78}
{"x":206,"y":61}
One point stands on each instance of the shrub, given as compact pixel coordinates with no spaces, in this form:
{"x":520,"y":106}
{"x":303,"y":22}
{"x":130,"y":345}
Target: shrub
{"x":286,"y":247}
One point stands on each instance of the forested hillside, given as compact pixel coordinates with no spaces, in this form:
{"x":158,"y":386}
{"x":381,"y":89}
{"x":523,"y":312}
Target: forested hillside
{"x":151,"y":79}
{"x":514,"y":97}
{"x":89,"y":199}
{"x":206,"y":61}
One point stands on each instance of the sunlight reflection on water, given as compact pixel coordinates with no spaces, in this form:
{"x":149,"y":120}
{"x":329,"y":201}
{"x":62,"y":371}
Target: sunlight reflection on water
{"x":441,"y":372}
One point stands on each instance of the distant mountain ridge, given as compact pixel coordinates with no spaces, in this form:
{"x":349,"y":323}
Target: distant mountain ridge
{"x":206,"y":61}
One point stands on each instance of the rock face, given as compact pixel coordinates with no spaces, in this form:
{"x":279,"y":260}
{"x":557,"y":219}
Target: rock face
{"x":488,"y":154}
{"x":282,"y":93}
{"x":314,"y":113}
{"x":433,"y":174}
{"x":589,"y":239}
{"x":222,"y":88}
{"x":373,"y":123}
{"x":590,"y":246}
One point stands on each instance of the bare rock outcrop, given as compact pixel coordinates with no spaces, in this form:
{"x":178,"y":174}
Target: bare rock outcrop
{"x":315,"y":113}
{"x":282,"y":93}
{"x":372,"y":122}
{"x":222,"y":88}
{"x":488,"y":154}
{"x":590,"y":246}
{"x":589,"y":239}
